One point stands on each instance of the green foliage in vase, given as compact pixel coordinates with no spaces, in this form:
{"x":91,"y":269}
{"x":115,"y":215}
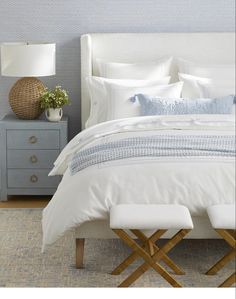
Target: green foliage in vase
{"x":55,"y":98}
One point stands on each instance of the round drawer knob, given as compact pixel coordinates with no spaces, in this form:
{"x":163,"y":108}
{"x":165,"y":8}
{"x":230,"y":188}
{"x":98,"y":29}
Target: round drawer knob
{"x":33,"y":139}
{"x":33,"y":178}
{"x":33,"y":159}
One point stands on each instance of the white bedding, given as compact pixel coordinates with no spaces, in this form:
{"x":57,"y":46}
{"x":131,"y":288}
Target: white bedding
{"x":195,"y":182}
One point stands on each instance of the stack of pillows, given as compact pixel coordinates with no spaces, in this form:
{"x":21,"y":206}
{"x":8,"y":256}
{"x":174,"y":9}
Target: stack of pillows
{"x":127,"y":90}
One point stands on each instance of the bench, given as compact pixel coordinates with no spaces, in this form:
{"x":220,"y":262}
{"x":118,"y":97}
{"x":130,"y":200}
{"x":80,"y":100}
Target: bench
{"x":134,"y":218}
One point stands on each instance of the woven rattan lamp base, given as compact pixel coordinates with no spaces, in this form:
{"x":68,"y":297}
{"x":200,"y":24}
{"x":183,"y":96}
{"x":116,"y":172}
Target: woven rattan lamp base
{"x":24,"y":97}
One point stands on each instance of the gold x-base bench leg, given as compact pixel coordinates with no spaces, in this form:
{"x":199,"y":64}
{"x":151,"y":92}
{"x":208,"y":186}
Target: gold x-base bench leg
{"x":229,"y":237}
{"x":229,"y":281}
{"x":148,"y":244}
{"x":151,"y":256}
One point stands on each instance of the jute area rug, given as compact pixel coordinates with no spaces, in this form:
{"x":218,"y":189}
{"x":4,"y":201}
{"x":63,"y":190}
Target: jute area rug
{"x":23,"y":265}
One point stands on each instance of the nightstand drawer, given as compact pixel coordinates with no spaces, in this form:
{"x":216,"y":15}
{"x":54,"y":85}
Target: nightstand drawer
{"x":33,"y":139}
{"x":26,"y":178}
{"x":31,"y":158}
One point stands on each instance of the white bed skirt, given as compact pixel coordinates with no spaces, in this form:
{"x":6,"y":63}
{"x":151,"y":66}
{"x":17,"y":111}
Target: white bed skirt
{"x":101,"y":230}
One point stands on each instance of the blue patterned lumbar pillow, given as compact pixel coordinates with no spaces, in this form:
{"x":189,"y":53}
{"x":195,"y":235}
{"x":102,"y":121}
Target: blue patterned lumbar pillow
{"x":167,"y":106}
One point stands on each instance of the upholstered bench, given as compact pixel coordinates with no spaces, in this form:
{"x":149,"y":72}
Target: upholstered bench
{"x":160,"y":218}
{"x":222,"y":218}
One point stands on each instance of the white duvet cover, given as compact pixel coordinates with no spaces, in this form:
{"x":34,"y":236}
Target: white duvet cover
{"x":195,"y":182}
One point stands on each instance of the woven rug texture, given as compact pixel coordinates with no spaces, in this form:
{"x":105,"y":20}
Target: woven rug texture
{"x":23,"y":265}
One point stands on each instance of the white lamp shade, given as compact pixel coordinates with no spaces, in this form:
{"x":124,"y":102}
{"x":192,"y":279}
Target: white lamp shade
{"x":28,"y":59}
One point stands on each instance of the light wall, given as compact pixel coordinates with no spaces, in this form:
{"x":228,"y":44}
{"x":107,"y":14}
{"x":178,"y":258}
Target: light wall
{"x":63,"y":21}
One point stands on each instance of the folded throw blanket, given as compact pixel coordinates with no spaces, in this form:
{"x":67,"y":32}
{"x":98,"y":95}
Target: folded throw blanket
{"x":155,"y":146}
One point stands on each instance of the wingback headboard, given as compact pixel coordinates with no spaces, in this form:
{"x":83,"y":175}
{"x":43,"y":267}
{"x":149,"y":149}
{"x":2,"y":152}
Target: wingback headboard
{"x":209,"y":47}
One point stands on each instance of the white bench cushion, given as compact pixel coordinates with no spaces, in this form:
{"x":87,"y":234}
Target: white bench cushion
{"x":132,"y":216}
{"x":222,"y":216}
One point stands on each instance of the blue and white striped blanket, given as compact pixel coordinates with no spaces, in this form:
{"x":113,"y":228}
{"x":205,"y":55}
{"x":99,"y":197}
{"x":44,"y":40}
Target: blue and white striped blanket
{"x":155,"y":146}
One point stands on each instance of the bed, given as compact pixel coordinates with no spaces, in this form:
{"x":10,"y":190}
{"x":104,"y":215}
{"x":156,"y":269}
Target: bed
{"x":215,"y":48}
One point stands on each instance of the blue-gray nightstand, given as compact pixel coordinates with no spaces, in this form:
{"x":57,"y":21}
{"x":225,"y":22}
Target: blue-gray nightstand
{"x":28,"y":149}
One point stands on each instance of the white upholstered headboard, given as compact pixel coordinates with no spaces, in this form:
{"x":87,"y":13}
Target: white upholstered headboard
{"x":215,"y":48}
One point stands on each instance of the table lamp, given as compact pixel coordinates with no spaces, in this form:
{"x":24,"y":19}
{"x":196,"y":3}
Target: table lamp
{"x":27,"y":60}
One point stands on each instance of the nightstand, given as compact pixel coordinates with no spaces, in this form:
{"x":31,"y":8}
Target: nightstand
{"x":28,"y":149}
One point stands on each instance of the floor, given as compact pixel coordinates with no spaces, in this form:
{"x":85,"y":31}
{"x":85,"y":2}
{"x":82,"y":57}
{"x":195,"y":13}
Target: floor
{"x":22,"y":264}
{"x":16,"y":202}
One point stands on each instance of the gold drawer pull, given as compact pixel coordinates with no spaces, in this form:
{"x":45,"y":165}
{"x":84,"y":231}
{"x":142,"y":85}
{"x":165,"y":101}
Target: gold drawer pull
{"x":34,"y":178}
{"x":33,"y":159}
{"x":33,"y":139}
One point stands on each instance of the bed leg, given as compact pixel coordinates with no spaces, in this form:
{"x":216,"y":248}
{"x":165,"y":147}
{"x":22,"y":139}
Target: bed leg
{"x":79,"y":253}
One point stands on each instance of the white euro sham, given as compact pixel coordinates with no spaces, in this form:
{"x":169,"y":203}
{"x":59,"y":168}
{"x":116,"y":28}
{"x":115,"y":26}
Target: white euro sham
{"x":221,"y":76}
{"x":217,"y":72}
{"x":213,"y":90}
{"x":191,"y":88}
{"x":135,"y":71}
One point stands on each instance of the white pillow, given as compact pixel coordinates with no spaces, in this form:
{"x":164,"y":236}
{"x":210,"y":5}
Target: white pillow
{"x":135,"y":71}
{"x":99,"y":99}
{"x":191,"y":88}
{"x":214,"y":90}
{"x":120,"y":106}
{"x":218,"y":72}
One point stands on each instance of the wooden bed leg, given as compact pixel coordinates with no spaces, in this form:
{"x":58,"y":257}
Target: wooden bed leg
{"x":79,"y":253}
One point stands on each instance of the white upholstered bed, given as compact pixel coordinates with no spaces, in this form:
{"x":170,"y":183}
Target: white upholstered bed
{"x":215,"y":48}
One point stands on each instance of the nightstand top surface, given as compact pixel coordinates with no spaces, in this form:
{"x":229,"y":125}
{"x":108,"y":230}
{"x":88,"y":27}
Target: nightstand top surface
{"x":14,"y":118}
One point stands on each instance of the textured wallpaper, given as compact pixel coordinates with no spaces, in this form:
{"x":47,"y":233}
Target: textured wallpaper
{"x":63,"y":21}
